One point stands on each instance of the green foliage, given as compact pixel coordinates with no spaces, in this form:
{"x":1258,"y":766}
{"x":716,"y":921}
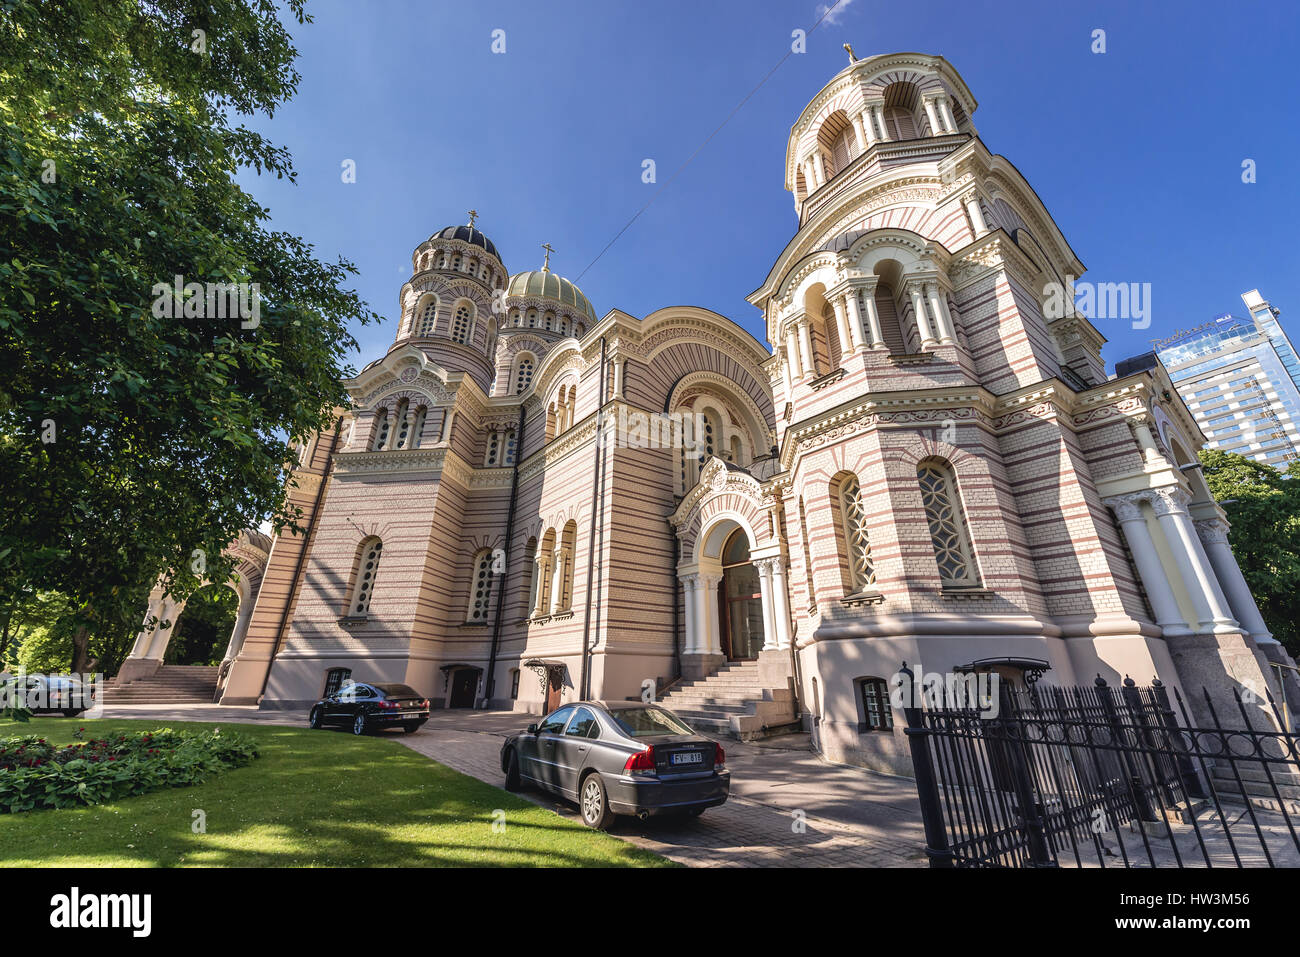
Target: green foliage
{"x":127,"y":439}
{"x":35,"y":774}
{"x":1263,"y":505}
{"x":204,"y":627}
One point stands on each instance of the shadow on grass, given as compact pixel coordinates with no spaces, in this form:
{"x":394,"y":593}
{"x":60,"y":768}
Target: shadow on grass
{"x":308,"y":800}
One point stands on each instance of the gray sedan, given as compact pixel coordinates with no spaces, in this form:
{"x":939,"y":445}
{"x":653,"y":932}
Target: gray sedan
{"x":618,"y":758}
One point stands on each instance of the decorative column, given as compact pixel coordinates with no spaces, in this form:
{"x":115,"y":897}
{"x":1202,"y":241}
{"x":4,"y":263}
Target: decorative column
{"x":945,"y":113}
{"x":764,"y":567}
{"x":557,"y":580}
{"x":1213,"y":534}
{"x":541,"y":570}
{"x":781,"y":603}
{"x":805,"y":348}
{"x":1142,"y":432}
{"x":169,"y":612}
{"x":972,"y":201}
{"x":855,"y":320}
{"x":142,"y":641}
{"x":873,"y":318}
{"x":1128,"y":509}
{"x":618,"y":377}
{"x":935,"y":128}
{"x":842,"y":325}
{"x":860,"y":133}
{"x":688,"y":594}
{"x":934,"y":294}
{"x":878,"y":112}
{"x":922,"y":321}
{"x":1171,"y":511}
{"x":787,"y":376}
{"x":792,"y":353}
{"x":867,"y":121}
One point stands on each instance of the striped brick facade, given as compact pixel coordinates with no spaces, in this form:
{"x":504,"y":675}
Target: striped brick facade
{"x":911,"y":365}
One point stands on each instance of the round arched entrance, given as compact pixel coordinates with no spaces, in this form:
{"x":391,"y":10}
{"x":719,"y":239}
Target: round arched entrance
{"x":741,"y":601}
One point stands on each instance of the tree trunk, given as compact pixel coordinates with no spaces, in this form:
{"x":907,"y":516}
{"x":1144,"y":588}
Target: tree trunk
{"x":81,"y":649}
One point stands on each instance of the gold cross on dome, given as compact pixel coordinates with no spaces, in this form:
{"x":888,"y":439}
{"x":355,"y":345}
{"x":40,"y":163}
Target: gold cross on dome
{"x":546,"y":266}
{"x":473,"y":215}
{"x":849,"y":47}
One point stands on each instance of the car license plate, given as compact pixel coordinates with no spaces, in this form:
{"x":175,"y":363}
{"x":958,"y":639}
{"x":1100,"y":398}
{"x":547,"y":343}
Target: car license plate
{"x":688,"y":757}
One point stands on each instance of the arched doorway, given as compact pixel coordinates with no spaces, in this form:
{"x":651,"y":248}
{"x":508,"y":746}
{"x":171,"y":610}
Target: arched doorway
{"x":203,"y":627}
{"x":741,"y":599}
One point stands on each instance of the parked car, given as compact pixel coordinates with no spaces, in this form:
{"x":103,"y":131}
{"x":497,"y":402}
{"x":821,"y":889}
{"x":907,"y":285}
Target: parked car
{"x":364,"y":707}
{"x":618,"y":758}
{"x":49,"y":694}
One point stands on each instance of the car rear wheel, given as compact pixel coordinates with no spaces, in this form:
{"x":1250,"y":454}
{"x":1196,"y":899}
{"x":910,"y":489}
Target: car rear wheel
{"x":316,"y":718}
{"x":595,"y":804}
{"x":513,"y":783}
{"x":359,"y":724}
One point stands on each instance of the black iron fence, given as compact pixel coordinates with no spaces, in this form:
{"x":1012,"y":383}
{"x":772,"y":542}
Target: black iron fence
{"x":1101,"y":777}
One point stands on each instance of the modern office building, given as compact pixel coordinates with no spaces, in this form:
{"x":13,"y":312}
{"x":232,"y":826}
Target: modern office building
{"x":1241,"y":380}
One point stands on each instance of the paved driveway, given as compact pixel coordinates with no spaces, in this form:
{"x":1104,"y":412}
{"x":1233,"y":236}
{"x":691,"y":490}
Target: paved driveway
{"x":788,"y":808}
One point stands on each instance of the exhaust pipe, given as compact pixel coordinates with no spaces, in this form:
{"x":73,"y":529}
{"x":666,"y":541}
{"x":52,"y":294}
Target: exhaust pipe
{"x":643,"y":816}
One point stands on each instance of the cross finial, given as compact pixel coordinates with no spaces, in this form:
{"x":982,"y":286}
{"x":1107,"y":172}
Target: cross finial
{"x":473,"y":215}
{"x":546,"y":266}
{"x":849,"y":48}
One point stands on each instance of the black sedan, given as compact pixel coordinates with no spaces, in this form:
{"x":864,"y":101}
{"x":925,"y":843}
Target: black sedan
{"x":618,"y":758}
{"x":364,"y":707}
{"x":48,"y":694}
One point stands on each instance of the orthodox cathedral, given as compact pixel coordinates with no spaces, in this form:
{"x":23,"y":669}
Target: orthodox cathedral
{"x":922,"y":464}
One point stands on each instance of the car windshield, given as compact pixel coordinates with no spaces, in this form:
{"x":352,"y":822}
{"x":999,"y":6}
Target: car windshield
{"x":398,"y":691}
{"x":648,"y":722}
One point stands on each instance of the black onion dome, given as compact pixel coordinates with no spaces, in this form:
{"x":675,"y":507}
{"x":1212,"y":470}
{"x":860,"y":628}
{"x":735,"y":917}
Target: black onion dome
{"x":469,"y":235}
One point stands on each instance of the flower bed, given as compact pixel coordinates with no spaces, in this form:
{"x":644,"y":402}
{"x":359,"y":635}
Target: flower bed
{"x":35,"y":774}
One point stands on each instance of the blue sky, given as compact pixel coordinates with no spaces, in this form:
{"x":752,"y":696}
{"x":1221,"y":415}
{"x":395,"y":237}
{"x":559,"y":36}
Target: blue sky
{"x":1136,"y":152}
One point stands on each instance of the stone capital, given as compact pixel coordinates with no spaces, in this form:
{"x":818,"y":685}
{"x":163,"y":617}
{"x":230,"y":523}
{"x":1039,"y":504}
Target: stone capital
{"x":1212,"y":531}
{"x":1169,"y":501}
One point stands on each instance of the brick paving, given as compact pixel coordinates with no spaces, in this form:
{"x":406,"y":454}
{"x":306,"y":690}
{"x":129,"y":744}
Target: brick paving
{"x":788,"y":808}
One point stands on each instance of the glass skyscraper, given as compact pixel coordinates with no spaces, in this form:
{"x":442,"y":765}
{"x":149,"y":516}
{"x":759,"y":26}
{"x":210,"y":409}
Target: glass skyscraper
{"x":1241,"y":380}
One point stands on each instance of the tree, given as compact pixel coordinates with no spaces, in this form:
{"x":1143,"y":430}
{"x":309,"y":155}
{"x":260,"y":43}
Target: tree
{"x":141,"y":430}
{"x":1263,"y":505}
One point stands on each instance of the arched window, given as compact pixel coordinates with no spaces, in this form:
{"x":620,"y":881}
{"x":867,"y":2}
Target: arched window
{"x":428,"y":316}
{"x":508,"y":448}
{"x":381,"y":430}
{"x":952,"y":546}
{"x":455,"y":261}
{"x":543,"y":570}
{"x":480,"y":589}
{"x":367,"y":569}
{"x":857,"y":543}
{"x":550,"y":321}
{"x":524,"y":366}
{"x":462,"y":321}
{"x":493,"y":454}
{"x":532,"y":318}
{"x":403,"y":424}
{"x":417,"y":428}
{"x":567,"y":541}
{"x":533,"y":578}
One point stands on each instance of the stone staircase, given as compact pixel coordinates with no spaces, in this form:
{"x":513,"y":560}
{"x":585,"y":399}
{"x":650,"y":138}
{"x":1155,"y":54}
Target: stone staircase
{"x":170,"y":684}
{"x":732,"y":701}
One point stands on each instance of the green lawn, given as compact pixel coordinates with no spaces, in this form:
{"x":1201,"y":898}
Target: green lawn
{"x":312,"y":798}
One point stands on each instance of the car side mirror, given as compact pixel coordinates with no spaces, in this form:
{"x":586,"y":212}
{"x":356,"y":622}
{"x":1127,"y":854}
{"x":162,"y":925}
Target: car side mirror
{"x":533,"y":728}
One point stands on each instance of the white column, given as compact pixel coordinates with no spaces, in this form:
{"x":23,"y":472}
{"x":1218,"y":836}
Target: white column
{"x":809,"y":180}
{"x":976,"y":214}
{"x":1145,"y":441}
{"x":933,"y":293}
{"x":781,"y":605}
{"x":922,"y":321}
{"x":873,"y":319}
{"x":541,"y":572}
{"x":792,"y":353}
{"x":859,"y":132}
{"x":240,"y":630}
{"x":935,"y":128}
{"x":1171,"y":511}
{"x":945,"y":114}
{"x":1128,"y":509}
{"x":868,"y":123}
{"x":878,"y":112}
{"x":806,"y":348}
{"x":787,"y":373}
{"x":711,"y":583}
{"x":764,"y":566}
{"x":169,"y":612}
{"x":1214,"y":538}
{"x":618,"y":378}
{"x":855,"y":320}
{"x":557,"y":579}
{"x":688,"y":593}
{"x":142,"y":640}
{"x":705,"y":620}
{"x":842,"y":325}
